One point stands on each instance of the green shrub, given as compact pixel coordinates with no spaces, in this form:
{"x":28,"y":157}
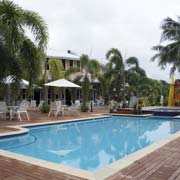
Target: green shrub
{"x":84,"y":108}
{"x":45,"y":108}
{"x":140,"y":101}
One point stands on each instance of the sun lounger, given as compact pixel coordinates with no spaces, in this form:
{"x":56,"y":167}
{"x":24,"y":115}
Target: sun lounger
{"x":3,"y":109}
{"x":33,"y":105}
{"x":57,"y":107}
{"x":41,"y":104}
{"x":23,"y":107}
{"x":74,"y":107}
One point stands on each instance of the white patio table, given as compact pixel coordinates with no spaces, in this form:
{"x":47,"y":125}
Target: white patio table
{"x":11,"y":109}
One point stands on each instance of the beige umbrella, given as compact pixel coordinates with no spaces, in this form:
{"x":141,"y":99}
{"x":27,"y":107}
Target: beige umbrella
{"x":62,"y":83}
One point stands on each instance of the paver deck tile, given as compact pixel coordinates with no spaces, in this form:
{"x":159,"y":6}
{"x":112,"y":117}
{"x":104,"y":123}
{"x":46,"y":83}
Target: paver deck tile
{"x":11,"y":168}
{"x":162,"y":164}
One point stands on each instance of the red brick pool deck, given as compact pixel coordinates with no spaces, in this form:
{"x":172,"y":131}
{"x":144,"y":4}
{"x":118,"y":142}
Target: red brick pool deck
{"x":162,"y":164}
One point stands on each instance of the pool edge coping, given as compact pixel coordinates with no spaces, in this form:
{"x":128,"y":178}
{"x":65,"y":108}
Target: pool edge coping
{"x":101,"y":173}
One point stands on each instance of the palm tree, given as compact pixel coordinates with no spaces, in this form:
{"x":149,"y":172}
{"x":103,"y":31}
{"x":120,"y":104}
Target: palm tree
{"x":31,"y":60}
{"x":56,"y":69}
{"x":116,"y":69}
{"x":25,"y":54}
{"x":84,"y":59}
{"x":94,"y":68}
{"x":169,"y":53}
{"x":150,"y":88}
{"x":105,"y":83}
{"x":133,"y":80}
{"x":7,"y":60}
{"x":133,"y":63}
{"x":91,"y":69}
{"x":13,"y":23}
{"x":91,"y":66}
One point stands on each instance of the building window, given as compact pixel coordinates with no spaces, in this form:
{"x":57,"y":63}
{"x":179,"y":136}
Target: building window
{"x":71,"y":63}
{"x":64,"y":63}
{"x":23,"y":93}
{"x":47,"y":64}
{"x":78,"y":64}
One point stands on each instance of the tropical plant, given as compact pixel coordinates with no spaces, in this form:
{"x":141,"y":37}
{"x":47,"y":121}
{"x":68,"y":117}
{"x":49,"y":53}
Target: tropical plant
{"x":91,"y":70}
{"x":152,"y":89}
{"x":91,"y":66}
{"x":56,"y":70}
{"x":31,"y":62}
{"x":165,"y":88}
{"x":116,"y":69}
{"x":142,"y":86}
{"x":133,"y":80}
{"x":133,"y":63}
{"x":7,"y":62}
{"x":70,"y":71}
{"x":15,"y":88}
{"x":45,"y":108}
{"x":74,"y":91}
{"x":85,"y":93}
{"x":94,"y":68}
{"x":170,"y":52}
{"x":105,"y":82}
{"x":17,"y":49}
{"x":84,"y":59}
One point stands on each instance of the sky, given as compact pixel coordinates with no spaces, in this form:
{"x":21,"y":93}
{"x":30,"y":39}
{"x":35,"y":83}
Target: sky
{"x":94,"y":26}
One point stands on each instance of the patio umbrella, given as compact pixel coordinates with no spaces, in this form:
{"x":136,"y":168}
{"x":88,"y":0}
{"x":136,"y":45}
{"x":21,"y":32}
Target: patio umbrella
{"x":176,"y":87}
{"x":23,"y":83}
{"x":9,"y":80}
{"x":171,"y":93}
{"x":62,"y":83}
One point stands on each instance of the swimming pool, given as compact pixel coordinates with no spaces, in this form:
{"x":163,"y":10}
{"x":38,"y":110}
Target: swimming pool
{"x":91,"y":144}
{"x":163,"y":111}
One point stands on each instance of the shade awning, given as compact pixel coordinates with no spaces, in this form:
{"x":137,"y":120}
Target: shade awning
{"x":62,"y":83}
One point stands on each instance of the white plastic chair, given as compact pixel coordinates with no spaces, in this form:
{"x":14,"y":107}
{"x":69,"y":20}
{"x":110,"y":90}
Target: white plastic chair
{"x":41,"y":103}
{"x":33,"y":104}
{"x":77,"y":103}
{"x":121,"y":104}
{"x":57,"y":107}
{"x":97,"y":102}
{"x":3,"y":109}
{"x":75,"y":107}
{"x":22,"y":109}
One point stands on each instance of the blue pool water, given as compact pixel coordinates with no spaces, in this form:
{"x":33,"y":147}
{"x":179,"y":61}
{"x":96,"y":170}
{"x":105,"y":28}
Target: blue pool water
{"x":91,"y":144}
{"x":166,"y":110}
{"x":163,"y":112}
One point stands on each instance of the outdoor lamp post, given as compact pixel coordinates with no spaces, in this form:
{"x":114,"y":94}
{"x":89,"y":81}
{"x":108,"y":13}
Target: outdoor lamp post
{"x":114,"y":91}
{"x":91,"y":105}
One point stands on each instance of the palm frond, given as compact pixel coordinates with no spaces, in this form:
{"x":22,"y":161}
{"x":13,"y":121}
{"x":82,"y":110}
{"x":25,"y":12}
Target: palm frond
{"x":35,"y":23}
{"x":84,"y":60}
{"x":132,"y":61}
{"x":171,"y":30}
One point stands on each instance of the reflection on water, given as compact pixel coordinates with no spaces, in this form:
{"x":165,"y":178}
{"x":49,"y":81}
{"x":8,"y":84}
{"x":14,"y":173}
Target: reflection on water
{"x":92,"y":144}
